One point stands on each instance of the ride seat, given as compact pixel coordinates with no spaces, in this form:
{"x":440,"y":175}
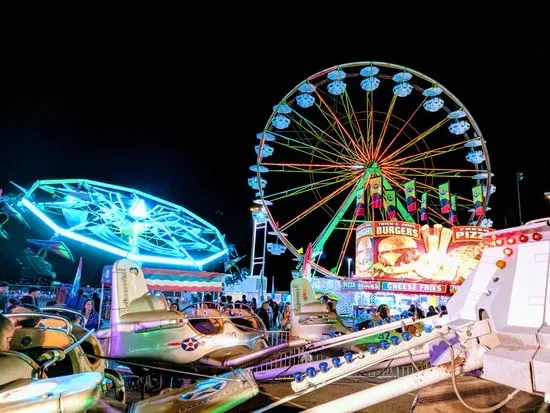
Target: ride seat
{"x":90,"y":346}
{"x":207,"y":321}
{"x":16,"y":366}
{"x":34,"y":342}
{"x":246,"y":320}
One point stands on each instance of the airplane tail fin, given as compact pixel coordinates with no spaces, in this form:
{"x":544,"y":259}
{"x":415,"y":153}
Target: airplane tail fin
{"x":301,"y":292}
{"x":128,"y":284}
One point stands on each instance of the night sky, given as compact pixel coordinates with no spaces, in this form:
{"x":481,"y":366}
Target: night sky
{"x":142,"y":98}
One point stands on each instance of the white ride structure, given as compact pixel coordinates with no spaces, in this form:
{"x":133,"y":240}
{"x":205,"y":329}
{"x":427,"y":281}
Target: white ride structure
{"x":499,"y":323}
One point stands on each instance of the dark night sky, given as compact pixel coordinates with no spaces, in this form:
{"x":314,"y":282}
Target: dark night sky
{"x":140,"y":98}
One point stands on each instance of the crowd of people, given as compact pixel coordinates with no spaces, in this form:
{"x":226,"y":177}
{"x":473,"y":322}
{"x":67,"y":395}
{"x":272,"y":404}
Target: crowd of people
{"x":29,"y":302}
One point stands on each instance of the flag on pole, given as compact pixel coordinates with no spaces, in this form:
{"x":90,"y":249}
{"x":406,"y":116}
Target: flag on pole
{"x":424,"y":207}
{"x":76,"y":282}
{"x":410,"y":195}
{"x":390,"y":205}
{"x":445,"y":198}
{"x":477,"y":192}
{"x":376,"y":191}
{"x":360,"y":205}
{"x":453,"y":217}
{"x":306,"y":263}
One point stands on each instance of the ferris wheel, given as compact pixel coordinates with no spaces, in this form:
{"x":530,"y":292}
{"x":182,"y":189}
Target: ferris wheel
{"x":360,"y":127}
{"x":125,"y":222}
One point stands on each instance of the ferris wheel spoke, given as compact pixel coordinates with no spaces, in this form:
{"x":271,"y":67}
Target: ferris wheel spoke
{"x":344,"y":130}
{"x":319,"y":203}
{"x":442,"y":150}
{"x":319,"y":243}
{"x":332,"y":114}
{"x":401,"y":130}
{"x":311,"y":150}
{"x":308,"y":187}
{"x":319,"y":133}
{"x":385,"y":127}
{"x":439,"y":172}
{"x":334,"y":126}
{"x":310,"y":167}
{"x":414,"y":141}
{"x":352,"y":119}
{"x":370,"y":123}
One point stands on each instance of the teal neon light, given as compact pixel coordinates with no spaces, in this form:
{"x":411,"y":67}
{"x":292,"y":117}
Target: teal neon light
{"x":119,"y":251}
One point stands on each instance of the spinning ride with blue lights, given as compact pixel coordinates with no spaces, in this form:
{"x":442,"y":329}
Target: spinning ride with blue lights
{"x":125,"y":222}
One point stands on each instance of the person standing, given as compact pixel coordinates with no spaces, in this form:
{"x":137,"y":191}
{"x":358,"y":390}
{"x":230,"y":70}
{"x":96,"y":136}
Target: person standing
{"x":4,"y":290}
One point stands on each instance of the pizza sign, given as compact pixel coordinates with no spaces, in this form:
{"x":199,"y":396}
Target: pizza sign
{"x":469,"y":233}
{"x":410,"y":253}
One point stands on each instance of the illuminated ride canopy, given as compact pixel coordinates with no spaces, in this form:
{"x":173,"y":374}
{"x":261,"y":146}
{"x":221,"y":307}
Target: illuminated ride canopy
{"x":125,"y":222}
{"x":367,"y":142}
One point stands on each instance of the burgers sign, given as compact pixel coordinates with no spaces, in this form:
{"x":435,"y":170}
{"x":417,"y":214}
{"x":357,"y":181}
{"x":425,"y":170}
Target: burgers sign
{"x":390,"y":250}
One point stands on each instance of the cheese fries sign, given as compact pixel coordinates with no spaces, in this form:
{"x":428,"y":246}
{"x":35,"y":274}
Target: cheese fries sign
{"x":407,"y":251}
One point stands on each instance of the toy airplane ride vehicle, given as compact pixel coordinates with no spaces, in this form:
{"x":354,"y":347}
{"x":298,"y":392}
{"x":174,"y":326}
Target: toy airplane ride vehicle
{"x":144,"y":330}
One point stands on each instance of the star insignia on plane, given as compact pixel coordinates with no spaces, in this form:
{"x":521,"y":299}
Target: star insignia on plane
{"x":189,"y":344}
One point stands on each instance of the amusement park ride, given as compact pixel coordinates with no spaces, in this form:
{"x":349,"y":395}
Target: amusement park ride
{"x":339,"y":166}
{"x":143,"y":329}
{"x":361,"y":129}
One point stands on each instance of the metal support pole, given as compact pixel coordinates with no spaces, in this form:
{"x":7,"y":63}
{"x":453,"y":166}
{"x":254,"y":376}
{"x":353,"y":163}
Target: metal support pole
{"x":519,"y":177}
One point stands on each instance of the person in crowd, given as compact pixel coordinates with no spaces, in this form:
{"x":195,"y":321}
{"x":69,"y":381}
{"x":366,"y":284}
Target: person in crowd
{"x":30,"y":297}
{"x":244,"y":300}
{"x":12,"y":303}
{"x":174,"y":307}
{"x":285,"y":318}
{"x":97,"y":301}
{"x":275,"y":309}
{"x":444,"y":310}
{"x":431,"y":311}
{"x":383,"y":311}
{"x":91,"y":317}
{"x":25,"y":322}
{"x":76,"y":302}
{"x":4,"y":290}
{"x":254,"y":304}
{"x":264,"y":314}
{"x":6,"y":333}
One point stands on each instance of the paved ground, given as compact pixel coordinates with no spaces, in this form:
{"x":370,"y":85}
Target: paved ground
{"x":439,"y":398}
{"x":272,"y":392}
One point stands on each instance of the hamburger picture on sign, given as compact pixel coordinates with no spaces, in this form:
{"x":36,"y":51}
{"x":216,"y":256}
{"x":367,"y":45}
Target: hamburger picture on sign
{"x":406,"y":251}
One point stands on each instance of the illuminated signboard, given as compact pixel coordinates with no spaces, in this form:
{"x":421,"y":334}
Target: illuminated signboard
{"x":398,"y":287}
{"x":360,"y":285}
{"x":415,"y":288}
{"x":405,"y":251}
